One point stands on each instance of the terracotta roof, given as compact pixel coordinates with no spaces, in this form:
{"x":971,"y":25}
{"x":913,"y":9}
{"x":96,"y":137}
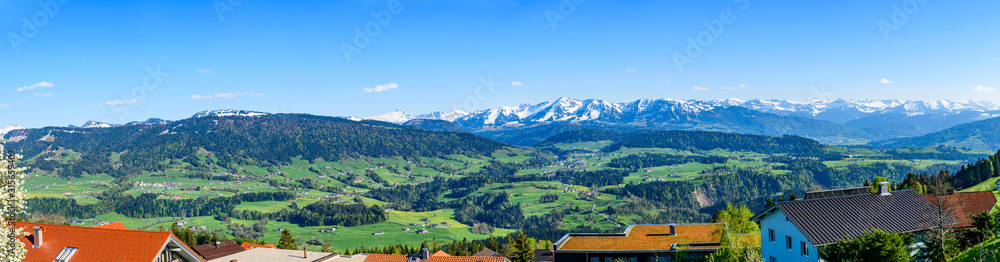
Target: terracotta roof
{"x":249,"y":246}
{"x":219,"y":249}
{"x":641,"y":237}
{"x":965,"y":204}
{"x":113,"y":225}
{"x":440,"y":253}
{"x":98,"y":244}
{"x":386,"y":258}
{"x":827,"y":220}
{"x":465,"y":259}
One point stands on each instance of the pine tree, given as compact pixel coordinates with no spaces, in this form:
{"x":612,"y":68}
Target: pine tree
{"x":491,"y":243}
{"x":522,"y":251}
{"x":287,"y":241}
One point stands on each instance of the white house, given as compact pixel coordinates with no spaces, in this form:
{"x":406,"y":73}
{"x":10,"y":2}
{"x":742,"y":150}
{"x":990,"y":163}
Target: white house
{"x":792,"y":230}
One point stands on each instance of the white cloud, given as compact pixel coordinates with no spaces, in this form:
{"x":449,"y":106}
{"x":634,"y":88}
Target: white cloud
{"x":4,"y":105}
{"x":40,"y":94}
{"x":734,"y":87}
{"x":515,"y":83}
{"x":202,"y":70}
{"x":381,"y":88}
{"x":229,"y":95}
{"x":667,"y":83}
{"x":885,"y":81}
{"x":121,"y":103}
{"x":32,"y":87}
{"x":631,"y":70}
{"x":700,"y":88}
{"x":20,"y":102}
{"x":983,"y":89}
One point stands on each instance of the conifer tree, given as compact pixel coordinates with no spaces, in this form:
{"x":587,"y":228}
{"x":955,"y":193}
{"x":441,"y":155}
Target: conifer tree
{"x":287,"y":241}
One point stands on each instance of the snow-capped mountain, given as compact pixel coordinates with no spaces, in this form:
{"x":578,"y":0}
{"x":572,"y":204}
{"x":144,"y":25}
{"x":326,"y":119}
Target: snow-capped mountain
{"x":228,"y":112}
{"x":878,"y":118}
{"x":397,"y":116}
{"x":151,"y":121}
{"x":7,"y":129}
{"x":843,"y":110}
{"x":400,"y":117}
{"x":95,"y":124}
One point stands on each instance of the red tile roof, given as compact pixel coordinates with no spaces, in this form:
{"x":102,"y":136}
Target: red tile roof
{"x":248,"y":246}
{"x":643,"y":237}
{"x":386,"y":258}
{"x":219,"y":249}
{"x":965,"y":204}
{"x":94,"y":243}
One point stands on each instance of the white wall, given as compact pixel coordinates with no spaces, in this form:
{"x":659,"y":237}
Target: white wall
{"x":776,"y":221}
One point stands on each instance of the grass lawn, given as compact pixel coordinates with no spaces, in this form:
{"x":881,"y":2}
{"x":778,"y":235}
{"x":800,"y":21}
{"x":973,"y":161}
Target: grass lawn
{"x":353,"y":237}
{"x":972,"y":254}
{"x":988,"y":185}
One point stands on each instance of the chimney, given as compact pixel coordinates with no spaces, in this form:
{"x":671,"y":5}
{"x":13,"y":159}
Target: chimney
{"x":883,"y":188}
{"x":424,"y":253}
{"x":217,"y":243}
{"x":234,"y":260}
{"x":673,"y":230}
{"x":38,"y":236}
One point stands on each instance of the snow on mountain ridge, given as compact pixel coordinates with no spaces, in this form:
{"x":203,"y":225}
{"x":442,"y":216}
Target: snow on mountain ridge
{"x":568,"y":109}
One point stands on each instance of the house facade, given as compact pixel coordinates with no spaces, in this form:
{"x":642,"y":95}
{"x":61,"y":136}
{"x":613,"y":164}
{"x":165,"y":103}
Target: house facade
{"x":795,"y":230}
{"x":781,"y":240}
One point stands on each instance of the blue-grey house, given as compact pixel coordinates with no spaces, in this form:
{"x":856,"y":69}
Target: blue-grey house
{"x":792,"y":230}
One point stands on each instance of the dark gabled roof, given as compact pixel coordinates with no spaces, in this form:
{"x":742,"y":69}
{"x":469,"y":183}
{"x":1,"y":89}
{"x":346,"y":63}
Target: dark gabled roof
{"x":544,"y":255}
{"x":961,"y":205}
{"x":827,"y":220}
{"x":487,"y":253}
{"x":836,"y":193}
{"x":218,"y":249}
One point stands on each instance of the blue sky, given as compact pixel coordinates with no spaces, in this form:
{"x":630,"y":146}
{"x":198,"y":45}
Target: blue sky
{"x":120,"y":61}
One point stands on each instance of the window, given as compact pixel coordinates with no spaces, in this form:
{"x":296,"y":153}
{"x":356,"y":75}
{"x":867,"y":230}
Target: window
{"x":770,"y":235}
{"x":772,"y":259}
{"x":788,"y":242}
{"x":595,"y":259}
{"x":805,"y":249}
{"x":633,"y":259}
{"x":609,"y":259}
{"x":65,"y":254}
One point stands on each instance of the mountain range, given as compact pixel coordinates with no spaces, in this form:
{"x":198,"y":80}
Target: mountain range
{"x":839,"y":121}
{"x":879,"y":123}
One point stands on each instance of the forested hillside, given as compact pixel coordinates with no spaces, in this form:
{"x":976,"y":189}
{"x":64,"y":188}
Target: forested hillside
{"x":262,"y":141}
{"x":983,"y":134}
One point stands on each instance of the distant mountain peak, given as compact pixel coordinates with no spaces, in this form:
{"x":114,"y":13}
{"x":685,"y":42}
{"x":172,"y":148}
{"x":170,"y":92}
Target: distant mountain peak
{"x":228,"y":112}
{"x":96,"y":124}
